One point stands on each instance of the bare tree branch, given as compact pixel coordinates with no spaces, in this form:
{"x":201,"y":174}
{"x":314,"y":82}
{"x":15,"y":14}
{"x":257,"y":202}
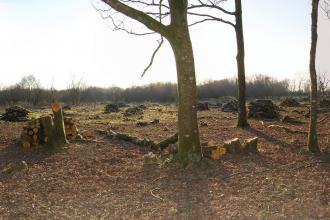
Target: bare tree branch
{"x":209,"y":18}
{"x":159,"y":45}
{"x":161,"y":41}
{"x":198,"y":10}
{"x":211,"y":5}
{"x":117,"y":25}
{"x":138,"y":15}
{"x":326,"y":8}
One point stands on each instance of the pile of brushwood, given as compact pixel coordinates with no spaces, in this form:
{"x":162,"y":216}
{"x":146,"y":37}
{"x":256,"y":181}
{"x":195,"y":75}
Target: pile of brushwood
{"x":136,"y":110}
{"x":325,"y":103}
{"x":263,"y":109}
{"x":111,"y":108}
{"x":15,"y":114}
{"x":202,"y":106}
{"x":290,"y":102}
{"x":231,"y":106}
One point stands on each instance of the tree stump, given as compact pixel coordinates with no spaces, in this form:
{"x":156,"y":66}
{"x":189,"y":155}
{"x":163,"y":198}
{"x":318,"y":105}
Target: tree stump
{"x":55,"y":136}
{"x":251,"y":145}
{"x":233,"y":146}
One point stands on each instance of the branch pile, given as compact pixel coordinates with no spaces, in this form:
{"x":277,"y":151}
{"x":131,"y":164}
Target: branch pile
{"x":111,"y":108}
{"x":231,"y":106}
{"x":325,"y":103}
{"x":202,"y":106}
{"x":136,"y":110}
{"x":290,"y":102}
{"x":15,"y":114}
{"x":263,"y":108}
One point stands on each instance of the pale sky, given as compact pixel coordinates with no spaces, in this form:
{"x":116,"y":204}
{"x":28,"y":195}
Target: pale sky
{"x":65,"y":39}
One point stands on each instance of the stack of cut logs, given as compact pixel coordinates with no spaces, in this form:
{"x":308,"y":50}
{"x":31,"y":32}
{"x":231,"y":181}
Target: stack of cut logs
{"x":35,"y":133}
{"x":15,"y":113}
{"x":71,"y":129}
{"x":263,"y":108}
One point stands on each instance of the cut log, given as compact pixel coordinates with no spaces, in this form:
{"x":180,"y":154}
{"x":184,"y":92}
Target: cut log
{"x":26,"y":144}
{"x":233,"y":146}
{"x":129,"y":138}
{"x":251,"y":145}
{"x":35,"y":130}
{"x":166,"y":142}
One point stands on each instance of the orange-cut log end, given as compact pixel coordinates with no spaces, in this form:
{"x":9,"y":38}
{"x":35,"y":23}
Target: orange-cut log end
{"x":56,"y":106}
{"x":26,"y":145}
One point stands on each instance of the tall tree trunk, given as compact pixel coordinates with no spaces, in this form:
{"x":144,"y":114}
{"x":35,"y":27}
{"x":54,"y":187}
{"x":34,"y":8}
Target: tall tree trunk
{"x":242,"y":120}
{"x":179,"y":38}
{"x":312,"y":137}
{"x":177,"y":33}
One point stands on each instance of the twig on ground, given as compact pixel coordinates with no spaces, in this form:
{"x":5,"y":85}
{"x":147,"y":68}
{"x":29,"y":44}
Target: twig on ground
{"x":323,"y":119}
{"x":154,"y":195}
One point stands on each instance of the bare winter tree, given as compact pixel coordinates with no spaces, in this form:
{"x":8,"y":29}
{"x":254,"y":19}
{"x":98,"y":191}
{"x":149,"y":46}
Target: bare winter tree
{"x":238,"y":27}
{"x":312,"y":137}
{"x":32,"y":87}
{"x":74,"y":89}
{"x":169,"y":19}
{"x":326,"y":7}
{"x":323,"y":83}
{"x":52,"y":92}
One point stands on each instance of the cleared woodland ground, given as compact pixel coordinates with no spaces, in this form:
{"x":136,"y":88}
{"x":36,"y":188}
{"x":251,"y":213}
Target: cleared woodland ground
{"x":107,"y":179}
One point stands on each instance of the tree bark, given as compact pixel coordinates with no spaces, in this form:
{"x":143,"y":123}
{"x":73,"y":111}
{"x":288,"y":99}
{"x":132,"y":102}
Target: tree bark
{"x":242,"y":118}
{"x":179,"y":38}
{"x":312,"y":137}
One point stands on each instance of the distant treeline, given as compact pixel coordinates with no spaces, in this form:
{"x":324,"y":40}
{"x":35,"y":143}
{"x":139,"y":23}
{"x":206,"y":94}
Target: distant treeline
{"x":30,"y":91}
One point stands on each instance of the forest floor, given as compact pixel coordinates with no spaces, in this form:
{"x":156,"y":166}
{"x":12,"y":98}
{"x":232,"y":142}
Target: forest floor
{"x":108,"y":179}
